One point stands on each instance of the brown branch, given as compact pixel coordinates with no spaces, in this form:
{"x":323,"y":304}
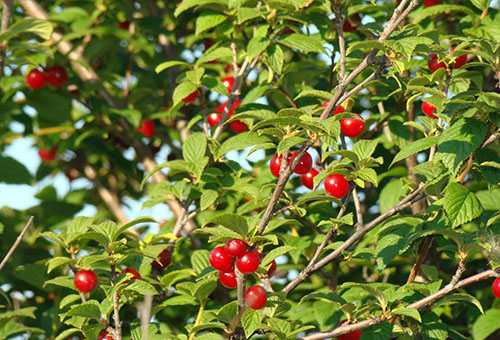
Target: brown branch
{"x":339,"y":22}
{"x":421,"y":256}
{"x":8,"y":7}
{"x":16,"y":242}
{"x":357,"y":206}
{"x":287,"y":96}
{"x":466,"y":170}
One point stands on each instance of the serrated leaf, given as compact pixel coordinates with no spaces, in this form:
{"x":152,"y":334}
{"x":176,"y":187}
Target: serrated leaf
{"x":187,"y":4}
{"x":172,"y":278}
{"x":199,"y":260}
{"x":289,"y":142}
{"x":251,"y":321}
{"x":167,"y":64}
{"x":257,"y":45}
{"x":410,"y":312}
{"x":416,"y":146}
{"x":231,"y":221}
{"x":66,"y":334}
{"x":56,"y":262}
{"x":241,"y":141}
{"x":276,"y":58}
{"x":301,"y":42}
{"x":367,"y":174}
{"x":486,"y":324}
{"x":183,"y":90}
{"x":207,"y":198}
{"x":215,"y":54}
{"x":461,"y":205}
{"x":40,"y":27}
{"x":194,"y":148}
{"x":90,"y":309}
{"x":141,"y":287}
{"x":273,"y":254}
{"x":207,"y":20}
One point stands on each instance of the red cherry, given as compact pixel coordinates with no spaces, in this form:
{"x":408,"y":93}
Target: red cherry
{"x":356,"y":335}
{"x":214,"y":119}
{"x":51,"y":296}
{"x":57,"y":75}
{"x":336,"y":185}
{"x":104,"y":336}
{"x":165,"y":258}
{"x":256,"y":297}
{"x":308,"y":179}
{"x":460,"y":60}
{"x":238,"y":126}
{"x":220,"y":260}
{"x":47,"y":156}
{"x":228,"y":279}
{"x":222,"y":107}
{"x":275,"y":165}
{"x":272,"y":269}
{"x":429,"y":109}
{"x":135,"y":273}
{"x":190,"y":97}
{"x":249,"y":262}
{"x":236,"y":247}
{"x":123,"y":25}
{"x":495,"y":287}
{"x":228,"y":83}
{"x":429,"y":3}
{"x":36,"y":79}
{"x":352,"y":127}
{"x":304,"y":165}
{"x":147,"y":128}
{"x":433,"y":63}
{"x":85,"y":280}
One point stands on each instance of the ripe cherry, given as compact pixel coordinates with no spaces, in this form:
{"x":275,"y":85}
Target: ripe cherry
{"x":338,"y":109}
{"x":238,"y":126}
{"x":430,"y":3}
{"x":191,"y":97}
{"x":352,"y":127}
{"x":165,"y":258}
{"x":495,"y":287}
{"x":272,"y":269}
{"x":460,"y":60}
{"x":123,"y":25}
{"x":256,"y":297}
{"x":147,"y":128}
{"x":308,"y":179}
{"x":104,"y":335}
{"x":304,"y":165}
{"x":236,"y":247}
{"x":36,"y":79}
{"x":336,"y":185}
{"x":429,"y":109}
{"x":275,"y":165}
{"x":356,"y":335}
{"x":46,"y":155}
{"x":135,"y":273}
{"x":220,"y":260}
{"x":249,"y":262}
{"x":57,"y":75}
{"x":85,"y":280}
{"x":433,"y":63}
{"x":214,"y":119}
{"x":228,"y":82}
{"x":228,"y":279}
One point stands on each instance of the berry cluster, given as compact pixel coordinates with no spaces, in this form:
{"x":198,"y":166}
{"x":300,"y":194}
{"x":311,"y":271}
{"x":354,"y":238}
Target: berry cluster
{"x":235,"y":252}
{"x":55,"y":75}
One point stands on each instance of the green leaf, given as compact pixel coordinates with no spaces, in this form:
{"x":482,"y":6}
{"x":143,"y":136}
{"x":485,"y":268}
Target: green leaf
{"x":56,"y":262}
{"x":416,"y":146}
{"x":275,"y":253}
{"x":172,"y":278}
{"x":231,"y":221}
{"x":370,"y":289}
{"x":142,"y":287}
{"x":301,"y":42}
{"x":207,"y":20}
{"x":459,"y":140}
{"x":204,"y":288}
{"x":90,"y":309}
{"x":66,"y":334}
{"x":382,"y":331}
{"x":460,"y":298}
{"x":432,"y":327}
{"x":240,"y":142}
{"x":251,"y":321}
{"x":207,"y":198}
{"x":219,"y":233}
{"x":194,"y":148}
{"x":276,"y":58}
{"x":40,"y":27}
{"x":410,"y":312}
{"x":199,"y":260}
{"x":364,"y":45}
{"x":364,"y":148}
{"x":367,"y":174}
{"x":143,"y":219}
{"x":167,"y":64}
{"x":183,"y":90}
{"x":486,"y":324}
{"x":28,"y":312}
{"x":215,"y":54}
{"x":13,"y":172}
{"x":461,"y":205}
{"x":289,"y":142}
{"x":256,"y":46}
{"x":228,"y":312}
{"x":77,"y":227}
{"x":314,"y":93}
{"x":187,"y":4}
{"x":133,"y":116}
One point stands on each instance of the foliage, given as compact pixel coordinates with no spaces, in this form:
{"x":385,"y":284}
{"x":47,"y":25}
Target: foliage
{"x":420,"y":188}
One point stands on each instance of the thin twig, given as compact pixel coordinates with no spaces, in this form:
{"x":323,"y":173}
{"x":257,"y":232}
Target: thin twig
{"x":16,"y":243}
{"x":421,"y":256}
{"x":8,"y":6}
{"x":357,"y":206}
{"x":339,"y":22}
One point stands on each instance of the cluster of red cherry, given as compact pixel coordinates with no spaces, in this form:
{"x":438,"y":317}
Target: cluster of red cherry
{"x":55,"y":75}
{"x":235,"y":251}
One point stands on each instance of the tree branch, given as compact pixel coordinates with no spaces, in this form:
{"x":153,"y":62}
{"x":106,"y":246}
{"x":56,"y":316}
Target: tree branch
{"x":8,"y":7}
{"x":16,"y":243}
